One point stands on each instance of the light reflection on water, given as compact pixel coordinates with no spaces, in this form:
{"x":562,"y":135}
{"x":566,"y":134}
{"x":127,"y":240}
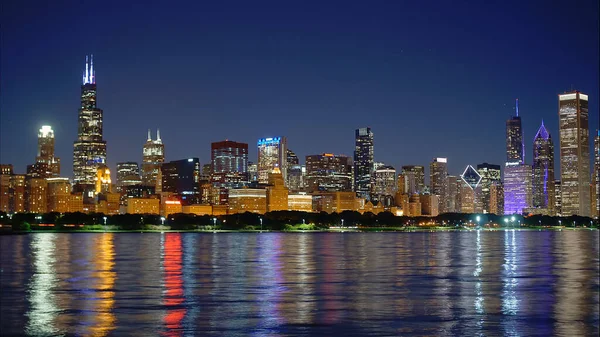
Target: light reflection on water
{"x":515,"y":283}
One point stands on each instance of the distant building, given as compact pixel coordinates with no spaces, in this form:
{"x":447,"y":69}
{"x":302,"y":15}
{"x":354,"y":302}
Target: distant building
{"x":574,"y":153}
{"x":198,"y":209}
{"x":143,"y":206}
{"x":103,"y":181}
{"x":496,"y":205}
{"x":335,"y":202}
{"x":543,"y":171}
{"x":415,"y":178}
{"x":363,"y":162}
{"x":277,"y":193}
{"x":490,"y":174}
{"x":245,"y":199}
{"x":300,"y":202}
{"x":470,"y":191}
{"x":36,"y":195}
{"x":272,"y":153}
{"x":153,"y":158}
{"x":429,"y":204}
{"x":128,"y":174}
{"x":89,"y":150}
{"x":182,"y":177}
{"x":438,"y":171}
{"x":557,"y":198}
{"x":517,"y":188}
{"x":328,"y":172}
{"x":45,"y":153}
{"x":596,"y":173}
{"x":58,"y":194}
{"x":453,"y":194}
{"x":252,"y":172}
{"x":229,"y":167}
{"x":384,"y":185}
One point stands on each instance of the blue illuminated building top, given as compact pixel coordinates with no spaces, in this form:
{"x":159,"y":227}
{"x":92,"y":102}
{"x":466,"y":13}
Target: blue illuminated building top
{"x":269,"y":141}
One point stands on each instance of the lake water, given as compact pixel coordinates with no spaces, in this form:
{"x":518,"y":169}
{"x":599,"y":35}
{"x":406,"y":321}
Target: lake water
{"x":512,"y":283}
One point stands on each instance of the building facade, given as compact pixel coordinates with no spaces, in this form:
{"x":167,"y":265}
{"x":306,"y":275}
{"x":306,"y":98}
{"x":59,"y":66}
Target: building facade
{"x":438,"y":172}
{"x":517,"y":188}
{"x":543,"y":171}
{"x":277,"y":193}
{"x":328,"y":172}
{"x":45,"y":154}
{"x":128,"y":174}
{"x":89,"y":150}
{"x":574,"y":153}
{"x":272,"y":153}
{"x":153,"y":158}
{"x":384,"y":185}
{"x":415,"y":178}
{"x":182,"y":177}
{"x":363,"y":162}
{"x":490,"y":174}
{"x":229,"y":162}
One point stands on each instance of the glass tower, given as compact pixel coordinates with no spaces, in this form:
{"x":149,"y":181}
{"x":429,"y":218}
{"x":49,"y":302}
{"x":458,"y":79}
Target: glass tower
{"x":574,"y":153}
{"x":543,"y":170}
{"x":89,"y":150}
{"x":363,"y":162}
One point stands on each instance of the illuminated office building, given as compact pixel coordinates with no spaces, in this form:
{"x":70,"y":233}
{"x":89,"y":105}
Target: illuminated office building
{"x":415,"y":178}
{"x":295,"y":174}
{"x":429,"y":204}
{"x":557,"y":198}
{"x":272,"y":153}
{"x":89,"y":150}
{"x":328,"y":172}
{"x":6,"y":172}
{"x":470,"y":191}
{"x":543,"y":171}
{"x":453,"y":185}
{"x":438,"y":172}
{"x":574,"y":153}
{"x":182,"y":177}
{"x":496,"y":205}
{"x":153,"y":157}
{"x":597,"y":171}
{"x":229,"y":167}
{"x":143,"y":206}
{"x":45,"y":153}
{"x":128,"y":174}
{"x":300,"y":202}
{"x":245,"y":199}
{"x":58,"y":194}
{"x":103,"y":181}
{"x":384,"y":185}
{"x":490,"y":174}
{"x":517,"y":175}
{"x":17,"y":193}
{"x":277,"y":193}
{"x":363,"y":162}
{"x":252,"y":172}
{"x":36,"y":198}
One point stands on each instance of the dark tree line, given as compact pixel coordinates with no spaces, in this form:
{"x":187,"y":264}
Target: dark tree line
{"x":277,"y":220}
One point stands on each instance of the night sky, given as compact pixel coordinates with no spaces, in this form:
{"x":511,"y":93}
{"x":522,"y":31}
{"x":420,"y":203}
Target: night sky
{"x":431,"y":78}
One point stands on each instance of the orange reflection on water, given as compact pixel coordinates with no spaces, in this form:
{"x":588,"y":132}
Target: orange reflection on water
{"x":104,"y":321}
{"x":173,"y":284}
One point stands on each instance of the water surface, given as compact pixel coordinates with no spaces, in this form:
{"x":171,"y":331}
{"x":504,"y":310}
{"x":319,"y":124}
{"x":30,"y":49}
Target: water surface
{"x":513,"y":283}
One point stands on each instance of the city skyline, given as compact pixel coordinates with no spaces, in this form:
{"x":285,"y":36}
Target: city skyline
{"x":357,"y":91}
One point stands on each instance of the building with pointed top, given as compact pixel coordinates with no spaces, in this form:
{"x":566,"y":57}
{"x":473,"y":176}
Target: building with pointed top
{"x":543,"y":171}
{"x":89,"y":150}
{"x":153,"y":157}
{"x":517,"y":174}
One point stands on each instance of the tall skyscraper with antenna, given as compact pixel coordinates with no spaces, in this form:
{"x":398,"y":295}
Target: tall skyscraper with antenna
{"x":89,"y":150}
{"x":154,"y":156}
{"x":517,"y":174}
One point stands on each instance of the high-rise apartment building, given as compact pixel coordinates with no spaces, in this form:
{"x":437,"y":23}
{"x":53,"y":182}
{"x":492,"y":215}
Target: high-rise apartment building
{"x":384,"y":185}
{"x":229,"y":167}
{"x":415,"y":178}
{"x":153,"y":158}
{"x":543,"y":170}
{"x":128,"y":174}
{"x":45,"y":153}
{"x":490,"y":174}
{"x":328,"y":172}
{"x":574,"y":153}
{"x":272,"y":153}
{"x":89,"y":150}
{"x":363,"y":162}
{"x":438,"y":172}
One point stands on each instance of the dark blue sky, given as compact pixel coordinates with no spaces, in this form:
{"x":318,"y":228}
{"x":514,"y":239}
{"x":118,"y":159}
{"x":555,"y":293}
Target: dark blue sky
{"x":432,"y":79}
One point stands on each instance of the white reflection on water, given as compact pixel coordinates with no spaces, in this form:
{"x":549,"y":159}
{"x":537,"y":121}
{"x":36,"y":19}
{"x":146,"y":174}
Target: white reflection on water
{"x":510,"y":303}
{"x":43,"y":310}
{"x":479,"y":299}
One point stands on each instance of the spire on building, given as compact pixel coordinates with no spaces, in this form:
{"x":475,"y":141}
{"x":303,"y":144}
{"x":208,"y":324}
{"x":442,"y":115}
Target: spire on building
{"x":92,"y":74}
{"x":158,"y":135}
{"x":542,"y":132}
{"x":149,"y":135}
{"x":517,"y":106}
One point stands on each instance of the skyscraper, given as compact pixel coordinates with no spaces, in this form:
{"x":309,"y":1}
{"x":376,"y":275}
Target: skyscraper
{"x":490,"y":174}
{"x":438,"y":171}
{"x":328,"y":172}
{"x":363,"y":162}
{"x":182,"y":177}
{"x":45,"y":153}
{"x":574,"y":153}
{"x":271,"y":154}
{"x":517,"y":175}
{"x":515,"y":147}
{"x":384,"y":185}
{"x":597,"y":170}
{"x":153,"y":157}
{"x":89,"y":150}
{"x":415,"y":178}
{"x":128,"y":174}
{"x":294,"y":172}
{"x":229,"y":167}
{"x":470,"y":191}
{"x":543,"y":170}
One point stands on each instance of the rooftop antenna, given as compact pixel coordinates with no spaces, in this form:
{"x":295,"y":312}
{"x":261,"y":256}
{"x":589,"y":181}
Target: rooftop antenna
{"x":149,"y":135}
{"x":517,"y":107}
{"x":92,"y":75}
{"x":87,"y":74}
{"x":158,"y":134}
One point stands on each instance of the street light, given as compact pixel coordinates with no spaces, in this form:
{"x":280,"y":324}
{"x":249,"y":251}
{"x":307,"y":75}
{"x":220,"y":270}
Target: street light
{"x":214,"y":222}
{"x":342,"y":222}
{"x":305,"y":222}
{"x":162,"y":220}
{"x":260,"y":224}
